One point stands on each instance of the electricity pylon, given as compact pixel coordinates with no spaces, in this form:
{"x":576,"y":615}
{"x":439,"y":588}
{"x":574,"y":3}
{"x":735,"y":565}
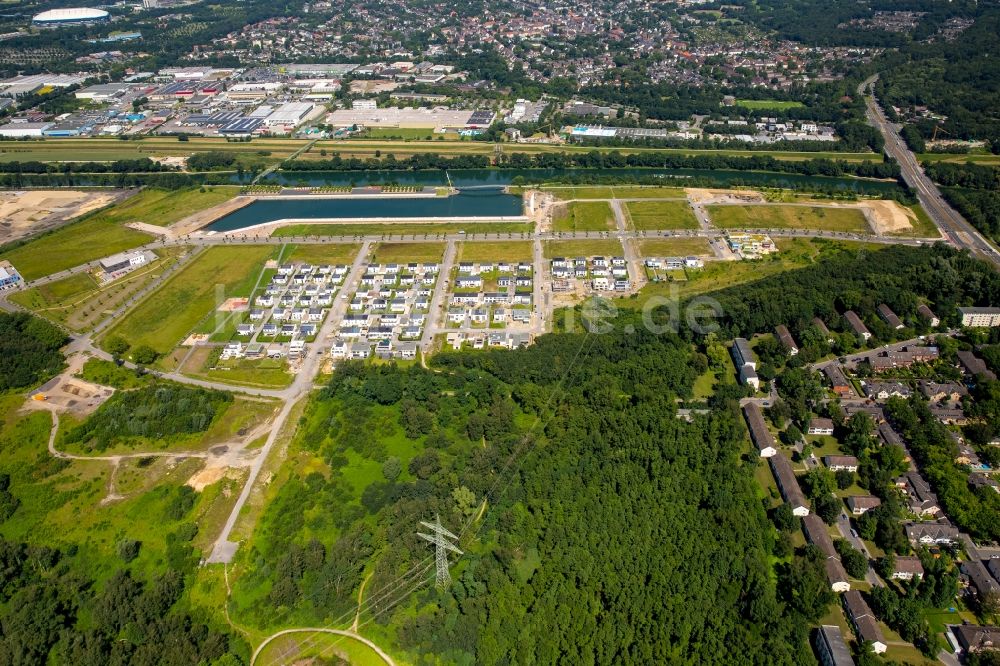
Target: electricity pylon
{"x":442,"y":545}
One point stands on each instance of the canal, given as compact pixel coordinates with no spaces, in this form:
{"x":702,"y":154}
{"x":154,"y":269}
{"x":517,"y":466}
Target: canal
{"x":491,"y":202}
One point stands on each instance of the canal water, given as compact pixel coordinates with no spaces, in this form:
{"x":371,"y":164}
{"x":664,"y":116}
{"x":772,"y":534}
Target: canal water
{"x":491,"y":202}
{"x":465,"y":178}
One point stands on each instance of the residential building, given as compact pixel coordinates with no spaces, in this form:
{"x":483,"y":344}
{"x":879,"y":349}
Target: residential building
{"x":838,"y":463}
{"x":886,"y":390}
{"x":759,"y":434}
{"x":820,"y":426}
{"x":928,"y":315}
{"x":890,"y":318}
{"x":860,"y":504}
{"x":942,"y":391}
{"x":743,"y":354}
{"x":784,"y":476}
{"x":921,"y":499}
{"x":973,"y":365}
{"x":985,"y":587}
{"x":973,"y":639}
{"x":858,"y":326}
{"x":929,"y":534}
{"x":863,"y":620}
{"x":907,"y":568}
{"x":816,"y":533}
{"x":980,"y":317}
{"x":822,"y":327}
{"x":786,"y":339}
{"x":838,"y":381}
{"x":830,"y":646}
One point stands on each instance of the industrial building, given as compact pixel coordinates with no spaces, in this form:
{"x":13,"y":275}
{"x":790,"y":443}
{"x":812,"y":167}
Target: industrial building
{"x":69,"y":16}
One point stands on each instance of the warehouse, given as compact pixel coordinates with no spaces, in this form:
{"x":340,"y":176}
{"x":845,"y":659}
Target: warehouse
{"x":22,"y":130}
{"x":291,"y":113}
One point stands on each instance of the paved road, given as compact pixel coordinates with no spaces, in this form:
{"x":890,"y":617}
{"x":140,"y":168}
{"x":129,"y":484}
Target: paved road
{"x":844,"y":527}
{"x":955,"y":228}
{"x":224,"y":549}
{"x":436,"y":314}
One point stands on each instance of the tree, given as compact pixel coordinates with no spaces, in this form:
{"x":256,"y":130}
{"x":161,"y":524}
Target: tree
{"x":854,"y":561}
{"x":391,"y":468}
{"x":144,"y":355}
{"x":465,"y":501}
{"x":117,"y":345}
{"x":827,"y":507}
{"x":128,"y":549}
{"x":845,"y":478}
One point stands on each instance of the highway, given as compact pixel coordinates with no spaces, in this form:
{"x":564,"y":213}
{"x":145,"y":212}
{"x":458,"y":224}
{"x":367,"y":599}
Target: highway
{"x":955,"y":228}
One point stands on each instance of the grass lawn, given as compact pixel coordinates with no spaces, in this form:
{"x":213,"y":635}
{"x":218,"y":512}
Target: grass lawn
{"x":582,"y":248}
{"x":645,"y":215}
{"x":94,"y":237}
{"x":779,"y":105}
{"x":505,"y":251}
{"x":405,"y":252}
{"x":674,"y":247}
{"x":422,"y":133}
{"x":789,"y":217}
{"x":340,"y":253}
{"x":583,"y":216}
{"x":190,"y":295}
{"x":61,"y":499}
{"x":163,"y":207}
{"x":704,"y":385}
{"x":267,"y":372}
{"x":402,"y":228}
{"x":795,"y":253}
{"x":78,"y":302}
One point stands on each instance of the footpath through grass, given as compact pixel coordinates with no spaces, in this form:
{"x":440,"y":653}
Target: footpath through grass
{"x":164,"y":319}
{"x":403,"y":228}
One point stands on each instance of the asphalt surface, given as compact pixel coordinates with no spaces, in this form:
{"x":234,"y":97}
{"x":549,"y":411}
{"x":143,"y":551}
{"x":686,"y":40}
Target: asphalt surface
{"x":955,"y":228}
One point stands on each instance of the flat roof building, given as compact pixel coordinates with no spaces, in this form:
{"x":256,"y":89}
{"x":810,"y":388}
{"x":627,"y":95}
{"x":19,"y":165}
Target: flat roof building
{"x":980,"y":317}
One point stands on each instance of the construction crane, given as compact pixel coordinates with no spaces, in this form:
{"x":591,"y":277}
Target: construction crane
{"x":938,"y":128}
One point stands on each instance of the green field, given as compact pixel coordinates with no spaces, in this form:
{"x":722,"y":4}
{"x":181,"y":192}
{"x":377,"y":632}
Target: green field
{"x":789,"y":217}
{"x":583,"y":216}
{"x":505,"y":251}
{"x":674,"y":247}
{"x":404,"y":252}
{"x":61,"y":500}
{"x":421,"y":133}
{"x":582,"y":248}
{"x":79,"y":301}
{"x":763,"y":104}
{"x":794,"y":253}
{"x":94,"y":237}
{"x":164,"y":207}
{"x":337,"y":253}
{"x":190,"y":295}
{"x":403,"y":228}
{"x":645,"y":215}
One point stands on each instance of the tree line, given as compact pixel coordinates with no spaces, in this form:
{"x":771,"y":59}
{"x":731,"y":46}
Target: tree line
{"x":29,"y":350}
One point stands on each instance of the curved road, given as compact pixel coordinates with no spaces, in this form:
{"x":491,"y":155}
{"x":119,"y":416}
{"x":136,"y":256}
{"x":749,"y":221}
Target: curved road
{"x":322,"y":630}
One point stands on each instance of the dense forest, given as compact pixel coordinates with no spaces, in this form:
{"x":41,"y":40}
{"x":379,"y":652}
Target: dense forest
{"x":53,"y":613}
{"x":974,"y":190}
{"x":596,"y":159}
{"x":153,"y":412}
{"x":897,"y":276}
{"x":611,"y":531}
{"x":29,"y":350}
